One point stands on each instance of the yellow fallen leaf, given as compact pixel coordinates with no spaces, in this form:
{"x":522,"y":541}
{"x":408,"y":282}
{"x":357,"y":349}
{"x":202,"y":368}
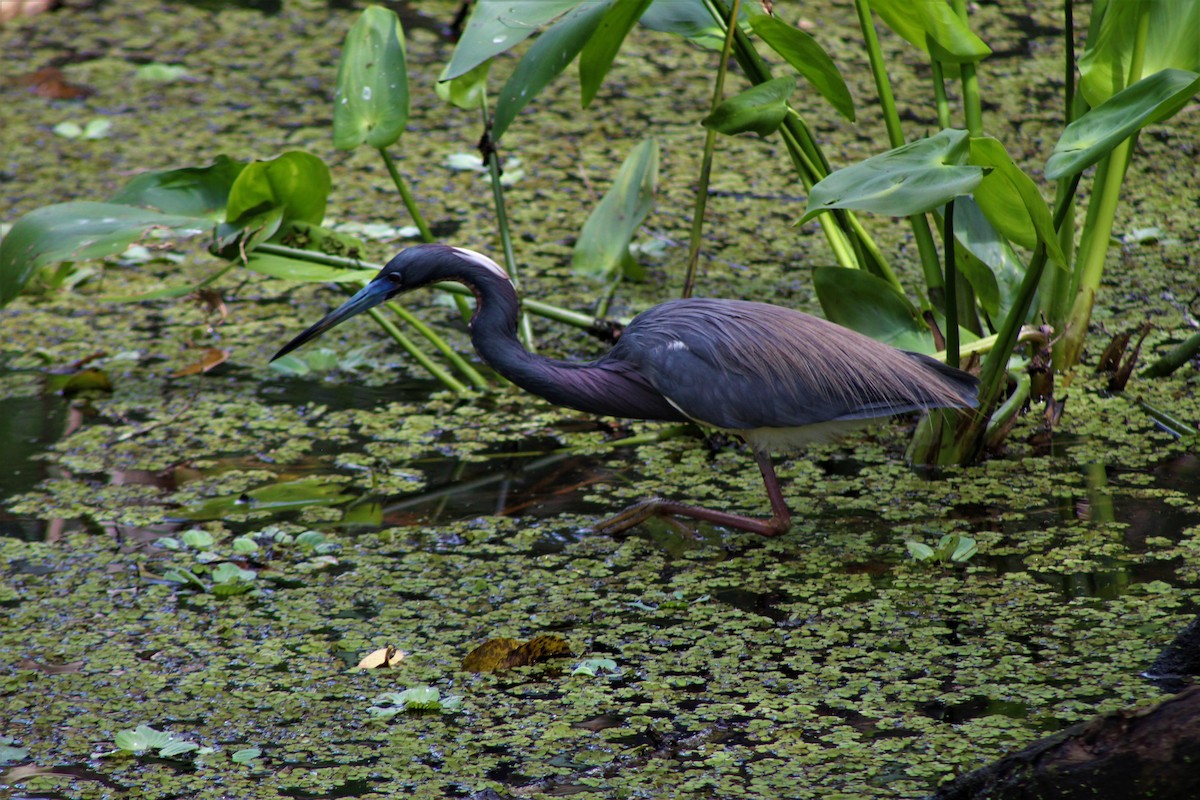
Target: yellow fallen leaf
{"x":384,"y":657}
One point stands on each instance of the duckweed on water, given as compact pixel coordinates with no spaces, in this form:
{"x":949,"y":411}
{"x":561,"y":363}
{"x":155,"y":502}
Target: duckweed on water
{"x":824,"y":664}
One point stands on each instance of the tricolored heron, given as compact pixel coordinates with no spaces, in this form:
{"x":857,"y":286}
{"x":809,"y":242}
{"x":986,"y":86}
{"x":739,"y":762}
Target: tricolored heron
{"x":778,"y":378}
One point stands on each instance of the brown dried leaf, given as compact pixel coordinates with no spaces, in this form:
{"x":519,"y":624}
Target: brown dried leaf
{"x":51,"y":669}
{"x":497,"y":654}
{"x":50,"y":82}
{"x":209,"y":358}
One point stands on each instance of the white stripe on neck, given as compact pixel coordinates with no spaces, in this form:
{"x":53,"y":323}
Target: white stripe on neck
{"x":481,"y":260}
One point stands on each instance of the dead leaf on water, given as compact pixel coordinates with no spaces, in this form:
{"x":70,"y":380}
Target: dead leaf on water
{"x":50,"y":669}
{"x":384,"y":657}
{"x":497,"y":654}
{"x":209,"y":357}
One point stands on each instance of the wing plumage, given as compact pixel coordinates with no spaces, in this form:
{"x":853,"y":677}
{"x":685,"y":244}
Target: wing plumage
{"x":741,"y":366}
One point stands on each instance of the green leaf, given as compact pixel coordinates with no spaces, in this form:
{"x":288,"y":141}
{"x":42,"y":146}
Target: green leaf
{"x":932,"y":27}
{"x":76,"y":231}
{"x":545,"y":59}
{"x":160,"y":73}
{"x":282,"y":496}
{"x":688,"y":18}
{"x":1171,"y":35}
{"x":177,"y":747}
{"x":602,"y":250}
{"x":296,"y":182}
{"x":760,"y":109}
{"x":498,"y":25}
{"x":1011,"y":200}
{"x":191,"y":191}
{"x":197,"y":538}
{"x":808,"y":58}
{"x":467,"y":90}
{"x":292,"y":269}
{"x":1092,"y":136}
{"x":911,"y":179}
{"x":990,"y":264}
{"x":371,"y":102}
{"x":142,"y":738}
{"x":868,"y":304}
{"x":246,"y":755}
{"x":919,"y":551}
{"x":600,"y":50}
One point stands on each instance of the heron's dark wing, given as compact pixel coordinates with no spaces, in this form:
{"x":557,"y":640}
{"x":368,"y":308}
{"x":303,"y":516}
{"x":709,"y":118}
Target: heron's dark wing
{"x":741,"y":366}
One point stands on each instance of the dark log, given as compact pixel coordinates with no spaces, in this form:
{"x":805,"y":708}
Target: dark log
{"x":1134,"y":754}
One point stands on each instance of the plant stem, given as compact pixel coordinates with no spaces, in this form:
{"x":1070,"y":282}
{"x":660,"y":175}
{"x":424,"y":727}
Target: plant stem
{"x":460,"y":363}
{"x":951,"y":288}
{"x":1095,"y":236}
{"x":492,"y":158}
{"x":859,"y":251}
{"x":710,"y":142}
{"x":410,"y":202}
{"x":996,"y":362}
{"x":445,"y":378}
{"x":939,"y":94}
{"x":926,"y":247}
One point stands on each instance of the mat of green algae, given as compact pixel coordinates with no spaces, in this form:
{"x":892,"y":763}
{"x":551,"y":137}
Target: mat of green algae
{"x":821,"y":664}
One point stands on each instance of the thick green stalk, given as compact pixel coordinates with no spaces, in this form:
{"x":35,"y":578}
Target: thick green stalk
{"x":939,"y":94}
{"x":410,"y":202}
{"x":1098,"y":228}
{"x":926,"y":247}
{"x":710,"y":143}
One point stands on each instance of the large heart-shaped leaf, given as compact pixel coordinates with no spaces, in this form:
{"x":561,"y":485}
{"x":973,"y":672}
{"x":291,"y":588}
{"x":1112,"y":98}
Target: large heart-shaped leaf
{"x":545,"y":59}
{"x":190,"y":191}
{"x":932,"y":26}
{"x":371,"y":102}
{"x":1093,"y":136}
{"x":808,"y":58}
{"x":296,"y":182}
{"x":870,"y":305}
{"x":600,"y":50}
{"x":911,"y":179}
{"x":760,"y":109}
{"x":498,"y":25}
{"x":602,"y":249}
{"x":1171,"y":35}
{"x":77,"y":231}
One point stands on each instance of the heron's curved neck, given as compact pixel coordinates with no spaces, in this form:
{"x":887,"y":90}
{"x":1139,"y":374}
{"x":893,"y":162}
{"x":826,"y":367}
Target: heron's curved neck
{"x":494,"y":335}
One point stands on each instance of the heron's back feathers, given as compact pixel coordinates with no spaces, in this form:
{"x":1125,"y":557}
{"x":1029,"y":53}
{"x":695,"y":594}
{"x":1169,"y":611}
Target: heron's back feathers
{"x":744,"y":366}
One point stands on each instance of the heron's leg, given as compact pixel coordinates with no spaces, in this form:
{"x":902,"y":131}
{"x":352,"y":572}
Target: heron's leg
{"x":780,"y":521}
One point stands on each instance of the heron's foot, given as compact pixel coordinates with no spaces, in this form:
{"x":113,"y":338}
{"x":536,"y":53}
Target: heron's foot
{"x":638,"y":513}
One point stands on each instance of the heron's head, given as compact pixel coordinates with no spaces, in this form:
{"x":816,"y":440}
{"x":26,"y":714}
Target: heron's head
{"x":409,"y":269}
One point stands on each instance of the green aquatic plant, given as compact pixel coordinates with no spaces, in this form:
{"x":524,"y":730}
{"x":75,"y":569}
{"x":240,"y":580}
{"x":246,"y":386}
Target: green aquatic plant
{"x":417,"y":700}
{"x":143,"y":738}
{"x":951,"y":547}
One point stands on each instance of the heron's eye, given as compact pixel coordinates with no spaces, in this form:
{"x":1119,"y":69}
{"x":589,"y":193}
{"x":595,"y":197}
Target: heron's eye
{"x":394,"y":277}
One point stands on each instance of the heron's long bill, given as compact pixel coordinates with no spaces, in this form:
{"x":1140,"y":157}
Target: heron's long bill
{"x":368,"y":297}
